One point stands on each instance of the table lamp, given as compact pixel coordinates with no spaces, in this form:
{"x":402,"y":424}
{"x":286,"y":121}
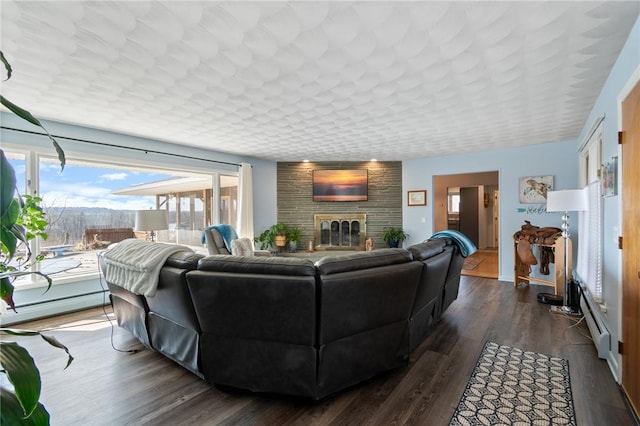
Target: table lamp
{"x":565,"y":201}
{"x":151,"y":220}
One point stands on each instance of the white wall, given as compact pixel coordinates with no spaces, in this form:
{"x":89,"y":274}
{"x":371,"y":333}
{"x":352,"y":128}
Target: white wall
{"x":558,"y":159}
{"x":624,"y":74}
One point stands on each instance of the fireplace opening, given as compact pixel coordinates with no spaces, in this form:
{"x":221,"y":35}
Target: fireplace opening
{"x":346,"y":231}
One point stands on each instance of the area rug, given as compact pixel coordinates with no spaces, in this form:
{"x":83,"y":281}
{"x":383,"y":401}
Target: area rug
{"x":510,"y":386}
{"x":472,"y":262}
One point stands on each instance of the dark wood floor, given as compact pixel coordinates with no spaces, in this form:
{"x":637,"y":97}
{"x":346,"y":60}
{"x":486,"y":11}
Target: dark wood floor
{"x":106,"y":387}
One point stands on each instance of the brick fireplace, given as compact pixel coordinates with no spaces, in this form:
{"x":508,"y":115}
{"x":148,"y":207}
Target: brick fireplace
{"x":295,"y":205}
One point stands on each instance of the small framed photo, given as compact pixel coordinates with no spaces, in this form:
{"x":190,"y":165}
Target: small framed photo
{"x":610,"y":178}
{"x":417,"y":198}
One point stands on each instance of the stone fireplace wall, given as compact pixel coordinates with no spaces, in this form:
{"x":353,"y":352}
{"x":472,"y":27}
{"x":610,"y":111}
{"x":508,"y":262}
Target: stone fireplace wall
{"x":383,"y":207}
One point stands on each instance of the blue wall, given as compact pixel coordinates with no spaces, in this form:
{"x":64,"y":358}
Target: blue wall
{"x":563,"y":164}
{"x":556,"y":159}
{"x":623,"y":76}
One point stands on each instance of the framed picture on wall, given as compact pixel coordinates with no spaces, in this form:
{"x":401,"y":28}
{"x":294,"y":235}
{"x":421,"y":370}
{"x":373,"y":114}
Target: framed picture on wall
{"x":340,"y":185}
{"x":417,"y":198}
{"x":533,"y":189}
{"x":610,"y":178}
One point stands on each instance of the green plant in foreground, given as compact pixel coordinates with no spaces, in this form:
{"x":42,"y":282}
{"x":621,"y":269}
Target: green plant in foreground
{"x":21,"y":220}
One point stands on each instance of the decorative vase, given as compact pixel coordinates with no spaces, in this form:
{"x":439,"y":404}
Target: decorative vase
{"x":293,"y":246}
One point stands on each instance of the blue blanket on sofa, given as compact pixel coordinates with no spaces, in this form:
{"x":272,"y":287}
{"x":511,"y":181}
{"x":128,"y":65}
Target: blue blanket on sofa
{"x":466,"y":246}
{"x":226,"y":231}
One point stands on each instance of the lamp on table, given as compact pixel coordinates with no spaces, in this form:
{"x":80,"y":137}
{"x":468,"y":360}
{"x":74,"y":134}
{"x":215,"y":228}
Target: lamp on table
{"x":151,"y":220}
{"x":565,"y":201}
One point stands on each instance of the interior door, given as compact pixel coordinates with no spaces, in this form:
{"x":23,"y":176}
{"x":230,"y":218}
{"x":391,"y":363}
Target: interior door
{"x":631,"y":246}
{"x":469,"y":213}
{"x":496,"y":218}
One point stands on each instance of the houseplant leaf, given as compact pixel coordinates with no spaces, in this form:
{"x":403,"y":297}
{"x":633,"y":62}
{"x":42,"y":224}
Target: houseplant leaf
{"x":49,"y":339}
{"x":9,"y":241}
{"x":23,"y":374}
{"x":12,"y":414}
{"x":8,"y":182}
{"x":7,"y":65}
{"x":6,"y":292}
{"x":26,"y":115}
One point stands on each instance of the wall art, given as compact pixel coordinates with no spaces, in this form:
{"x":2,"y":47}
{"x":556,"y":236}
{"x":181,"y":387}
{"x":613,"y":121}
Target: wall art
{"x":417,"y":198}
{"x":610,"y":178}
{"x":340,"y":185}
{"x":533,"y":189}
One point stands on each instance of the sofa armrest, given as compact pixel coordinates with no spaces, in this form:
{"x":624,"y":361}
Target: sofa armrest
{"x":428,"y":248}
{"x":184,"y":260}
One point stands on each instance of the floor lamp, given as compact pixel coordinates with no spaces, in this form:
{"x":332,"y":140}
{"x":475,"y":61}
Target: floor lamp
{"x":151,"y":220}
{"x":566,"y":201}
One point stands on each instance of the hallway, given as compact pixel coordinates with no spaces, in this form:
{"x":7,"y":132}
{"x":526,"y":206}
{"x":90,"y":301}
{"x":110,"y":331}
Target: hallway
{"x":483,"y":263}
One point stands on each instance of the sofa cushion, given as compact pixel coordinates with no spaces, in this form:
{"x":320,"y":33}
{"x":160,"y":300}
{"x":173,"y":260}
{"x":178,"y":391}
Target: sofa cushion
{"x":257,"y":265}
{"x":336,"y":264}
{"x":242,"y":247}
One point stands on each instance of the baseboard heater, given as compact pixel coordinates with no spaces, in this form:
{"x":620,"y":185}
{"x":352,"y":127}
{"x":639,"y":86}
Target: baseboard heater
{"x":597,"y":328}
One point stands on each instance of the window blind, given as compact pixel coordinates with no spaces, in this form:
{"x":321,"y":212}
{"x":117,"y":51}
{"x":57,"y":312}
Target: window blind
{"x":589,"y":265}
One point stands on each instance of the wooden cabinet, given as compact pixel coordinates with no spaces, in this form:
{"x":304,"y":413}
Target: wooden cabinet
{"x":523,"y":275}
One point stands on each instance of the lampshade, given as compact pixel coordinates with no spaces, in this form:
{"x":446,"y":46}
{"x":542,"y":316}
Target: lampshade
{"x":151,"y":220}
{"x":567,"y":200}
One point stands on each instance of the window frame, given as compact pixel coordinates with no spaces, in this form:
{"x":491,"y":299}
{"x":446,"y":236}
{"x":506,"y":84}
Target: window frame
{"x":34,"y":155}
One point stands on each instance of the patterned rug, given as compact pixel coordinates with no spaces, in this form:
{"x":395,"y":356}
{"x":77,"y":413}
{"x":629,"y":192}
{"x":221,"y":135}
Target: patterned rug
{"x":510,"y":386}
{"x":472,"y":262}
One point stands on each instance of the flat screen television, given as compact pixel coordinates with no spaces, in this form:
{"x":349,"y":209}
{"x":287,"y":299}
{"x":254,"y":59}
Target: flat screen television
{"x":340,"y":185}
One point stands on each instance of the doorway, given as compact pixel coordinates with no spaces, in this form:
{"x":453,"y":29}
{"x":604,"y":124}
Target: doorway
{"x":631,"y":247}
{"x":468,"y":202}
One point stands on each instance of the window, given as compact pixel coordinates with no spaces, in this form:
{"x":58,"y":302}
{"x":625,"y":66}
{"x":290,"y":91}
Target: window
{"x":454,"y":203}
{"x":92,"y":204}
{"x":19,"y":163}
{"x":589,"y":263}
{"x":229,"y":199}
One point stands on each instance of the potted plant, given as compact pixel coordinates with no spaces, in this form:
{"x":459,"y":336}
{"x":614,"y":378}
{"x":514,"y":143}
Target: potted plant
{"x":21,"y":220}
{"x":394,"y":236}
{"x":266,"y":240}
{"x":294,"y":237}
{"x":280,"y":234}
{"x":274,"y":236}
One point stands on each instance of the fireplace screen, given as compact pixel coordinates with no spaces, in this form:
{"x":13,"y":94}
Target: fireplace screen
{"x":340,"y":231}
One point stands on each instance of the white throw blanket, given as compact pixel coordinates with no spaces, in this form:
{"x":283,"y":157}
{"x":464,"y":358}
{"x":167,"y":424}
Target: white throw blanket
{"x":135,"y":264}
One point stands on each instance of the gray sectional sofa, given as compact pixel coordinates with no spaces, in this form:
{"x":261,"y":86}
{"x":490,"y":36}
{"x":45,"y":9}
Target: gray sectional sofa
{"x":289,"y":326}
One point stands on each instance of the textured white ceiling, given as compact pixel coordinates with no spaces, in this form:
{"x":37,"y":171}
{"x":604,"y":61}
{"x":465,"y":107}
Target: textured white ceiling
{"x":317,"y":80}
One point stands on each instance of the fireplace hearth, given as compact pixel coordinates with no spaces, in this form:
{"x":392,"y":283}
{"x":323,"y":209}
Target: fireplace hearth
{"x":340,"y":231}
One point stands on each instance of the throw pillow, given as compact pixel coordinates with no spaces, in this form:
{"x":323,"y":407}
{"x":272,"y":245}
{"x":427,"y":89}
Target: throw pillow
{"x":242,"y":247}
